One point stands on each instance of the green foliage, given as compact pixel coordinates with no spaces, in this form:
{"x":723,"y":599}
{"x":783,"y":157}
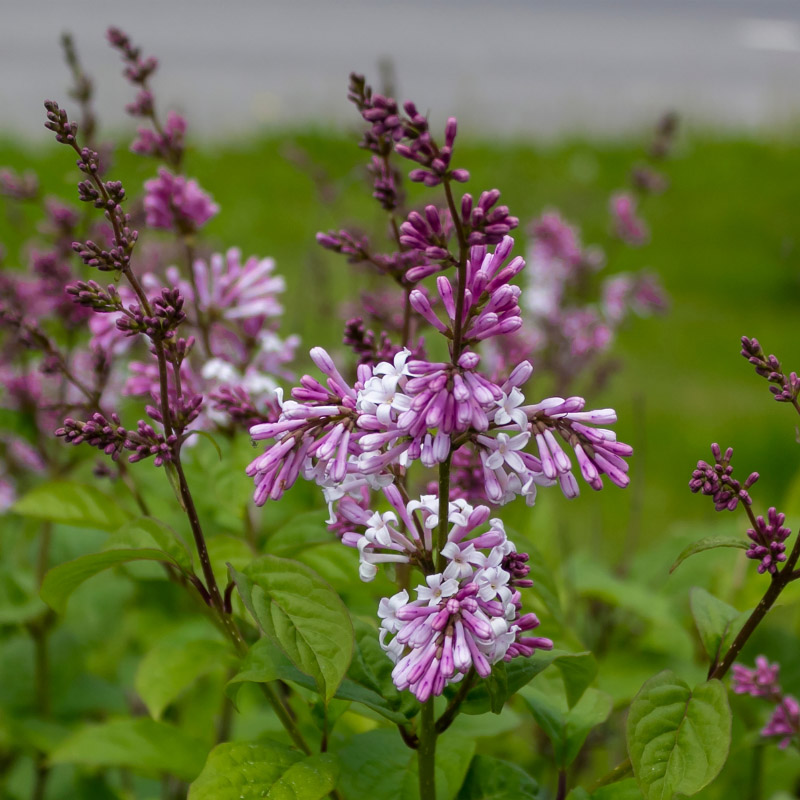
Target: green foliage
{"x":567,"y":727}
{"x":678,"y":738}
{"x":243,"y":771}
{"x":717,"y":622}
{"x":302,"y":614}
{"x":301,"y":532}
{"x":172,"y":666}
{"x":143,"y":745}
{"x":72,"y":503}
{"x":19,"y":600}
{"x":61,"y":581}
{"x":577,"y":670}
{"x":266,"y":662}
{"x":492,"y":779}
{"x":148,"y":533}
{"x":377,"y":765}
{"x":709,"y":543}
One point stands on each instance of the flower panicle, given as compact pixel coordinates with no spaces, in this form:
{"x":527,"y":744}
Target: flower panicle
{"x":785,"y":388}
{"x":716,"y":480}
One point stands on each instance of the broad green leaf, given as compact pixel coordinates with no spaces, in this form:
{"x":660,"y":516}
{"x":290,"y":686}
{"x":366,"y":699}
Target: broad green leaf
{"x":172,"y":666}
{"x":141,"y":745}
{"x":301,"y":532}
{"x":61,"y":581}
{"x":266,"y":662}
{"x":567,"y":728}
{"x":714,"y":618}
{"x":678,"y":739}
{"x":577,"y":670}
{"x":263,"y":771}
{"x":302,"y":614}
{"x":377,"y":765}
{"x":372,"y":669}
{"x":148,"y":533}
{"x":521,"y":671}
{"x":709,"y":543}
{"x":72,"y":503}
{"x":492,"y":779}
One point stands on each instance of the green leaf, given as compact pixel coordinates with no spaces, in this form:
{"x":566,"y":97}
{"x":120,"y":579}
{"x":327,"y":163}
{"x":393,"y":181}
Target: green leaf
{"x":579,"y":793}
{"x":709,"y":543}
{"x":263,"y":771}
{"x":207,"y":435}
{"x":521,"y":671}
{"x":678,"y":739}
{"x":497,"y":687}
{"x":143,"y":745}
{"x":377,"y":765}
{"x":567,"y":728}
{"x":266,"y":662}
{"x":61,"y":581}
{"x":149,"y":533}
{"x":714,"y":619}
{"x":301,"y":532}
{"x":172,"y":666}
{"x":621,"y":790}
{"x":302,"y":614}
{"x":577,"y":670}
{"x":72,"y":503}
{"x":492,"y":779}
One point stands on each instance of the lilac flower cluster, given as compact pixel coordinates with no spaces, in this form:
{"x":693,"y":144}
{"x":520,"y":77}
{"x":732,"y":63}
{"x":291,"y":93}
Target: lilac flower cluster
{"x":467,"y":615}
{"x":768,"y":539}
{"x":716,"y":480}
{"x":174,"y":203}
{"x":762,"y":681}
{"x":225,"y":303}
{"x":784,"y":387}
{"x":404,"y":410}
{"x":165,"y":142}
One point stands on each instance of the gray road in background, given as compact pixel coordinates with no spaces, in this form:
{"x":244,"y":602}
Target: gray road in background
{"x":513,"y":67}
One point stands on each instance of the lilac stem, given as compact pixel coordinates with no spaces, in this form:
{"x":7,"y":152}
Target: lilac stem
{"x":426,"y":752}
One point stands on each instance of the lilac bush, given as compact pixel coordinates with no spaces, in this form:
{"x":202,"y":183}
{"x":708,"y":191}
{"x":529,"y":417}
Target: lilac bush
{"x":141,"y":338}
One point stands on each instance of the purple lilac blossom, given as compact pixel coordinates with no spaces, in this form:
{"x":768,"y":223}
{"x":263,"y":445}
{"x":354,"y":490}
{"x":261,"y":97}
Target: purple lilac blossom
{"x":316,"y":433}
{"x":160,"y":145}
{"x":174,"y":203}
{"x":785,"y":387}
{"x":717,"y":481}
{"x":466,"y":617}
{"x":768,"y":539}
{"x":627,"y":225}
{"x":762,"y":681}
{"x":784,"y":722}
{"x":235,"y":290}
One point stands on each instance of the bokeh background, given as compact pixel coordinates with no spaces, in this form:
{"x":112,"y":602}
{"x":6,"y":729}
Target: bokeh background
{"x":556,"y":101}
